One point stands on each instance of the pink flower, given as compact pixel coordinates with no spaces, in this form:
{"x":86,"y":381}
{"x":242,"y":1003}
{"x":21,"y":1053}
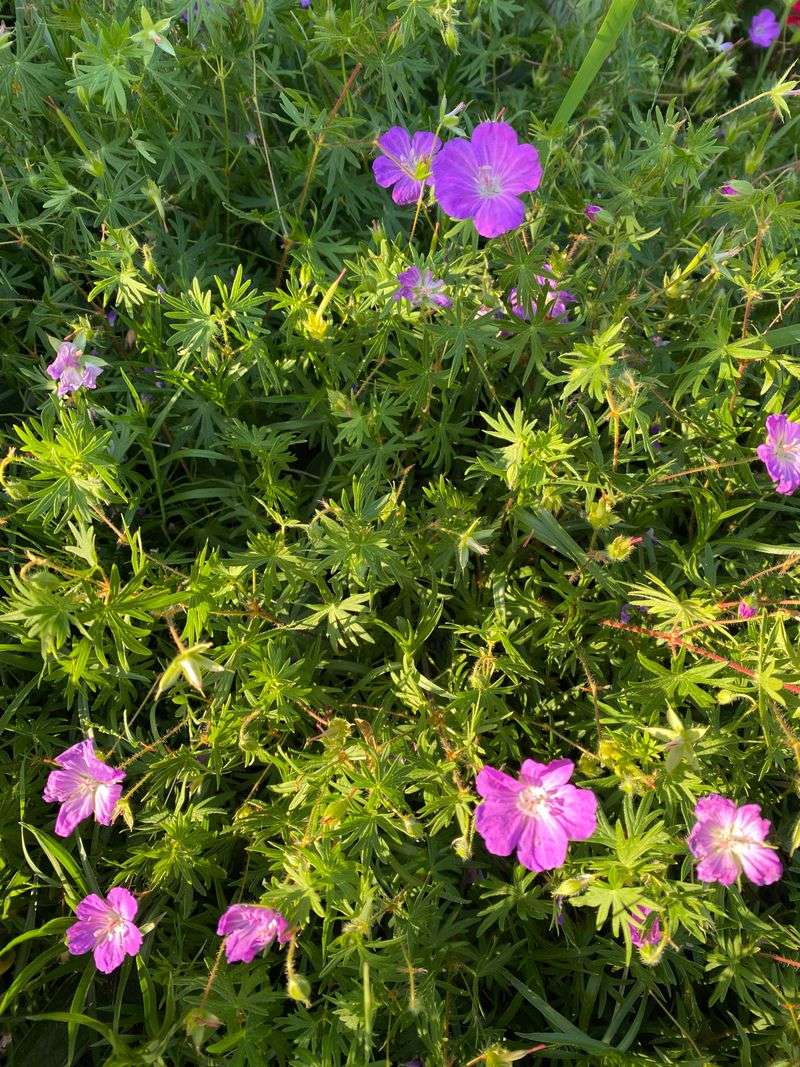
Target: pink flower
{"x":591,"y":211}
{"x":83,"y":785}
{"x":106,"y":928}
{"x":727,"y":840}
{"x":728,"y":190}
{"x":405,"y":162}
{"x":764,"y":28}
{"x":638,"y":923}
{"x":537,"y":814}
{"x":421,"y":289}
{"x":746,"y":611}
{"x":483,"y":179}
{"x":71,"y":371}
{"x":780,"y":453}
{"x":248,"y":928}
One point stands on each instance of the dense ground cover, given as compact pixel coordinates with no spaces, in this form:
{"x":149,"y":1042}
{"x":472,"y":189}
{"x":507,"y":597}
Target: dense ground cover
{"x":318,"y":505}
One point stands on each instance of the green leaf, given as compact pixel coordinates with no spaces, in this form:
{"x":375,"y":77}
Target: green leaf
{"x":617,"y":18}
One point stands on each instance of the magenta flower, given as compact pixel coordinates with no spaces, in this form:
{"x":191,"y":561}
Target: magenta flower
{"x":248,"y":928}
{"x":746,"y":611}
{"x":71,"y":371}
{"x":421,"y":289}
{"x":639,"y":935}
{"x":780,"y":454}
{"x":482,"y":179}
{"x":405,"y":163}
{"x":591,"y":211}
{"x":764,"y":28}
{"x":106,"y":928}
{"x":728,"y":190}
{"x":83,"y":785}
{"x":727,"y":840}
{"x":555,"y":299}
{"x":537,"y":814}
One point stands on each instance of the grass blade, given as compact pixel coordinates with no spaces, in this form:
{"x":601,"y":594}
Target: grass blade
{"x":617,"y":18}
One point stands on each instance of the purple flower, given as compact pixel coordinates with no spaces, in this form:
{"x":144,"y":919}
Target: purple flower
{"x":71,"y":371}
{"x":84,"y":786}
{"x":780,"y":454}
{"x":637,"y":927}
{"x":405,"y":163}
{"x":658,"y":341}
{"x":248,"y":928}
{"x":727,"y":840}
{"x":537,"y":814}
{"x":111,"y":316}
{"x":106,"y":928}
{"x":725,"y":46}
{"x":765,"y":28}
{"x":746,"y":611}
{"x":421,"y":289}
{"x":305,"y":3}
{"x":591,"y":211}
{"x":555,"y":299}
{"x":482,"y":179}
{"x":728,"y":190}
{"x":625,"y":613}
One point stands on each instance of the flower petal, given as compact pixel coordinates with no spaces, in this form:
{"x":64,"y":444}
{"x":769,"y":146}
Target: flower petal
{"x":542,"y":845}
{"x":718,"y":867}
{"x":498,"y":785}
{"x":499,"y":214}
{"x":73,"y":811}
{"x":577,"y":812}
{"x":500,"y":826}
{"x":123,"y":902}
{"x":761,"y":865}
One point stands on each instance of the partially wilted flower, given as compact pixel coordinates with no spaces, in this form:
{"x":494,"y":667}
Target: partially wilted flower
{"x":72,"y":371}
{"x":249,"y":928}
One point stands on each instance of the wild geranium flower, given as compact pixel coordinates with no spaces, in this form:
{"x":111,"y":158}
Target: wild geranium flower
{"x":780,"y":453}
{"x":727,"y":840}
{"x":84,"y":786}
{"x":764,"y":28}
{"x":746,"y":611}
{"x":640,"y":935}
{"x":482,"y":179}
{"x":405,"y":162}
{"x":421,"y":289}
{"x":537,"y":814}
{"x":106,"y":928}
{"x":556,"y":300}
{"x":591,"y":211}
{"x":249,"y":928}
{"x":71,"y":370}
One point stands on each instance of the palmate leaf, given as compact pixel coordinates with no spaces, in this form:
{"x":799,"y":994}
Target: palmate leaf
{"x":71,"y":470}
{"x":103,"y":64}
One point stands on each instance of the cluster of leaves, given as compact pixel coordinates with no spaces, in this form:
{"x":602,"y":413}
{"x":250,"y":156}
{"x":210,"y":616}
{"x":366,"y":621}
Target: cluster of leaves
{"x":307,"y":558}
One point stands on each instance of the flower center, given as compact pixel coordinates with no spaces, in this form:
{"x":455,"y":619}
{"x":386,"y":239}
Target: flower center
{"x":533,"y":801}
{"x":488,"y":181}
{"x":421,"y":170}
{"x":785,"y":450}
{"x":113,"y":925}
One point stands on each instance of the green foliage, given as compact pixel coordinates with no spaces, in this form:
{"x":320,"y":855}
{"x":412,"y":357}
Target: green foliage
{"x":308,"y":558}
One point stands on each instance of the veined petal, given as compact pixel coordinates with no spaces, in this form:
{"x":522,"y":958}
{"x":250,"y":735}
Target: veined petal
{"x":542,"y":844}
